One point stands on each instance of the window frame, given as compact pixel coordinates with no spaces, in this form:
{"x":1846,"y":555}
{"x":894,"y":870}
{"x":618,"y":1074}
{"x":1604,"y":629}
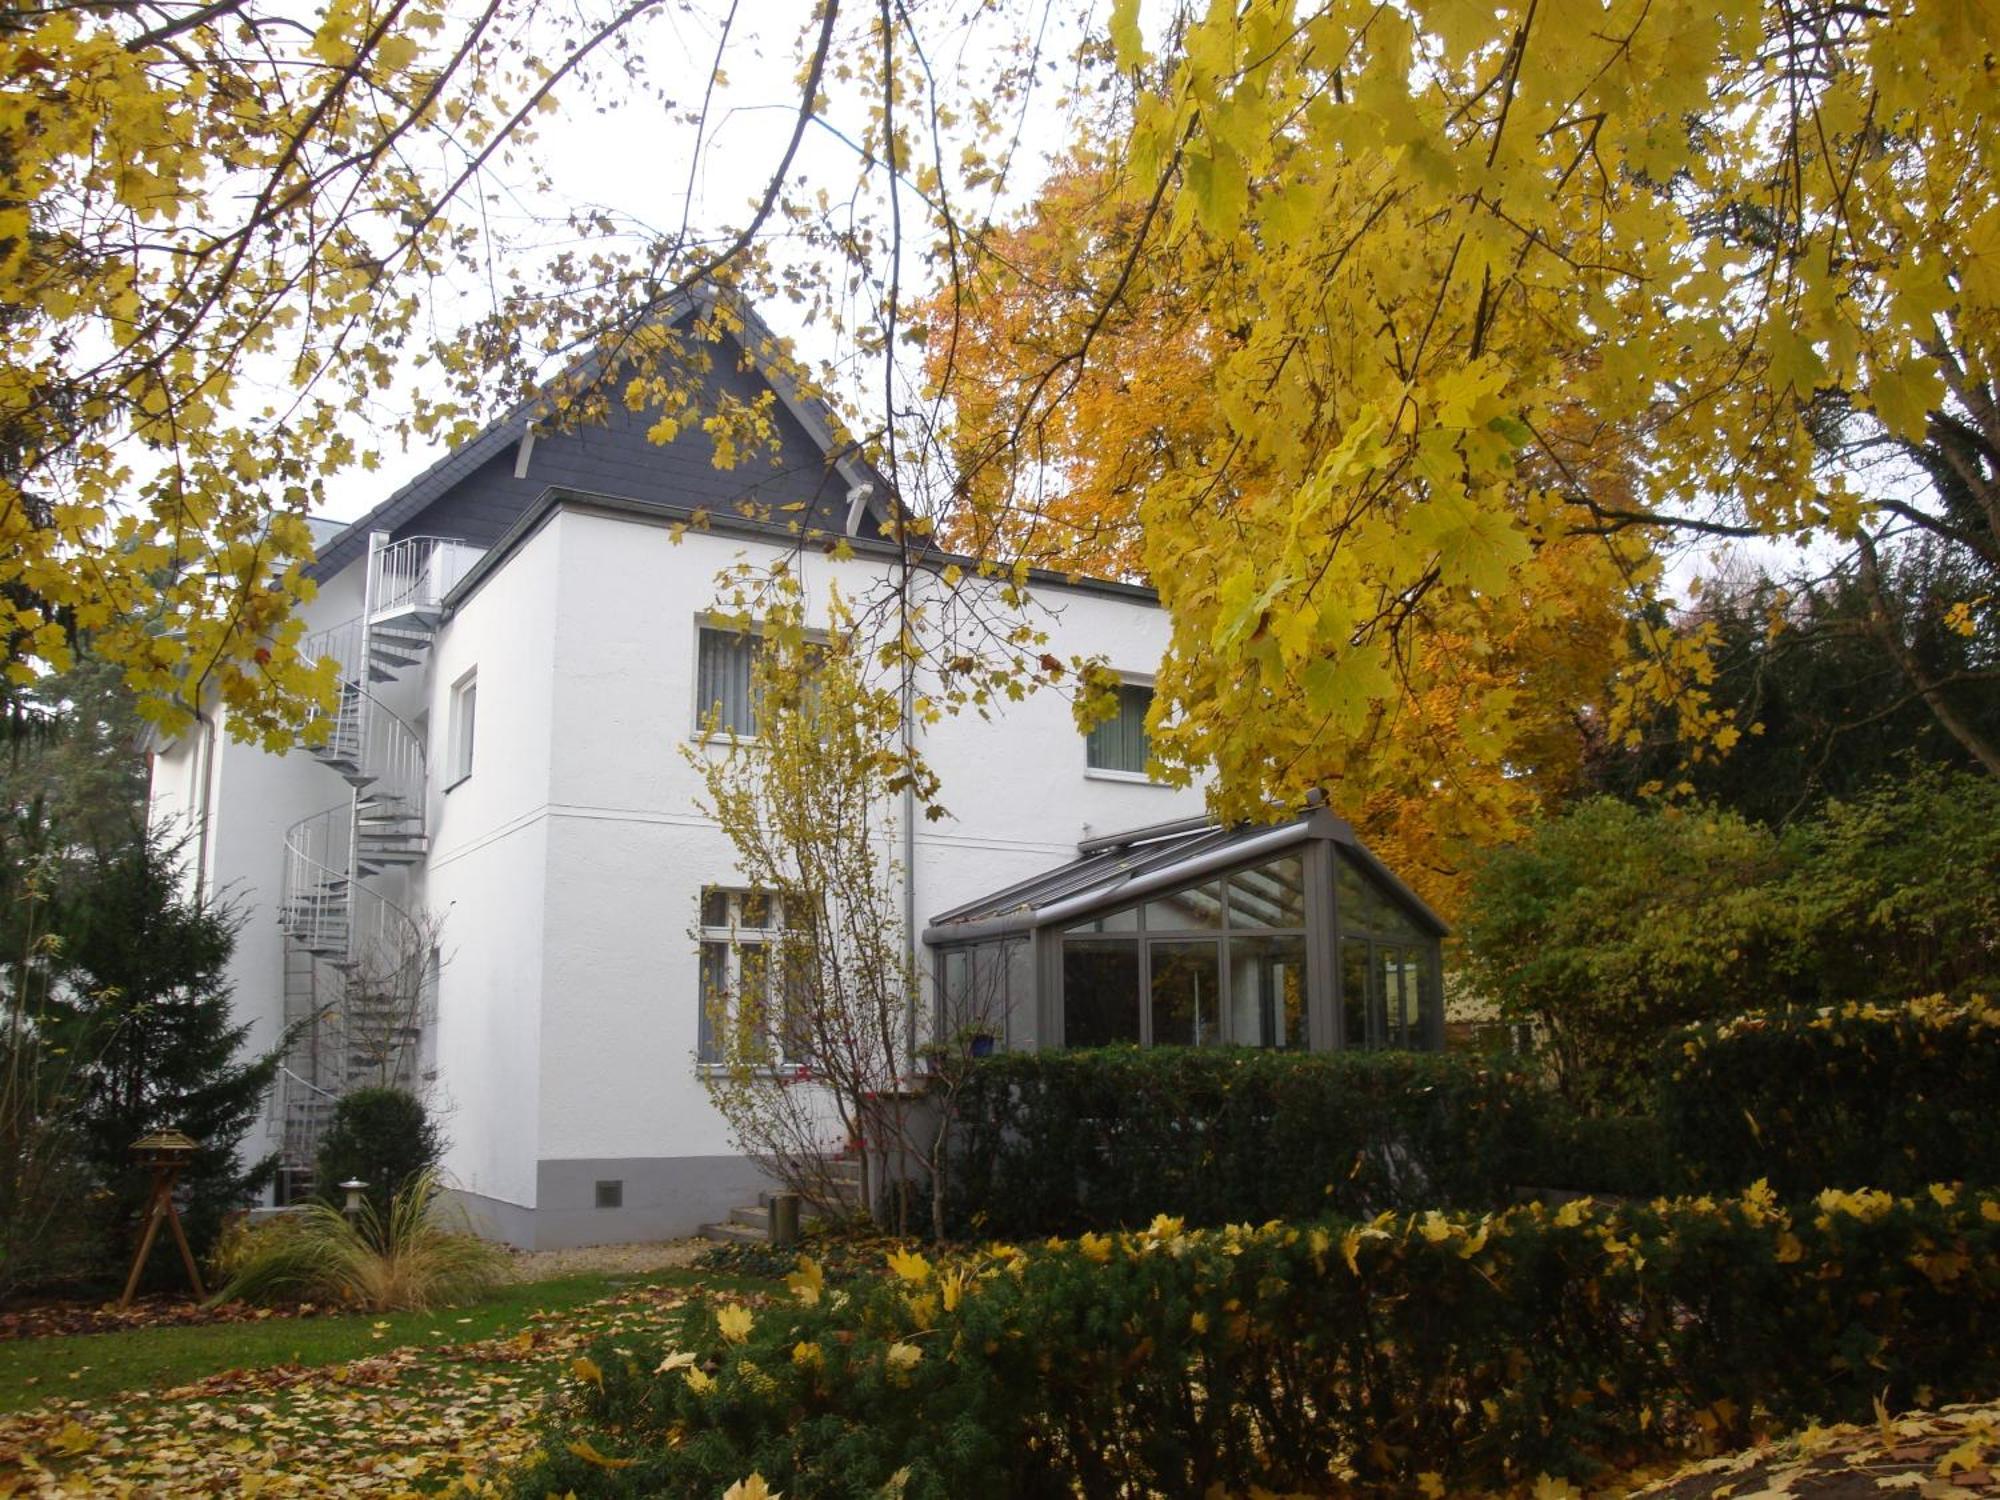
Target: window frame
{"x":1144,"y":934}
{"x":461,"y":728}
{"x":1142,"y":776}
{"x":733,"y":939}
{"x":752,"y":635}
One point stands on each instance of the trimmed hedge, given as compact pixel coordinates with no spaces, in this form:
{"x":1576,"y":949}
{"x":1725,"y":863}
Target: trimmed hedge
{"x":1058,"y":1142}
{"x":1338,"y":1356}
{"x":1860,"y":1096}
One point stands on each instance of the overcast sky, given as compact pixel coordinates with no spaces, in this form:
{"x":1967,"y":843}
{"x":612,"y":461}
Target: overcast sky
{"x":614,"y":149}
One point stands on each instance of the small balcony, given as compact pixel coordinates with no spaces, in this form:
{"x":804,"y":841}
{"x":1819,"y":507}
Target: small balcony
{"x":413,"y":576}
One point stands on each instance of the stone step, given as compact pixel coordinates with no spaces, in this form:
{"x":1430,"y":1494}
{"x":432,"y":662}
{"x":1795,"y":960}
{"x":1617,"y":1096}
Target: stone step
{"x":734,"y":1234}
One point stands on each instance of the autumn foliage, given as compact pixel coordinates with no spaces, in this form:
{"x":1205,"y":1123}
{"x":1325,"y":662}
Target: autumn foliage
{"x":1427,"y":1351}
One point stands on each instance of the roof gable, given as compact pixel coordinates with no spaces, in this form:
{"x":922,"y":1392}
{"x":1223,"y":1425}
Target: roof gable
{"x":477,"y":492}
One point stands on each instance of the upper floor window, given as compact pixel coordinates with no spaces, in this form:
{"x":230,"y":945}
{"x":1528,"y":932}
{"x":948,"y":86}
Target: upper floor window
{"x":725,"y":691}
{"x":1119,"y":743}
{"x":464,"y":719}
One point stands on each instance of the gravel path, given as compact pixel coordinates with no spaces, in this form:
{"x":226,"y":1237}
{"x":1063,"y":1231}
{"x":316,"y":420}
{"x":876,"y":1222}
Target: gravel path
{"x":546,"y":1265}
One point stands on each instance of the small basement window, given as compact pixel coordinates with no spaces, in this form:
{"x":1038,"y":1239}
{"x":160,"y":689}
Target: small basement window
{"x":611,"y":1193}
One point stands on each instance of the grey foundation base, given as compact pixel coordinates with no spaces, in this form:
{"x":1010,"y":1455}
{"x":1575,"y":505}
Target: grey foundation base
{"x":618,"y":1200}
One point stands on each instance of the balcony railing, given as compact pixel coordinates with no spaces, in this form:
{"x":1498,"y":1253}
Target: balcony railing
{"x":415,"y":574}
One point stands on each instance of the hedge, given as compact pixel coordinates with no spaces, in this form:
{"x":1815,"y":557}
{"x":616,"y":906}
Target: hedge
{"x":1857,"y":1096}
{"x":1060,"y":1142}
{"x":1361,"y":1356}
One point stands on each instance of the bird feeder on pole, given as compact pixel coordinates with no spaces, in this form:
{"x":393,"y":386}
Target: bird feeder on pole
{"x":166,"y":1154}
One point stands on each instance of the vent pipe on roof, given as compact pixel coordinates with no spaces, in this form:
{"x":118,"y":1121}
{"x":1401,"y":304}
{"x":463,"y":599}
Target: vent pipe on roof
{"x":525,"y":452}
{"x":857,"y":503}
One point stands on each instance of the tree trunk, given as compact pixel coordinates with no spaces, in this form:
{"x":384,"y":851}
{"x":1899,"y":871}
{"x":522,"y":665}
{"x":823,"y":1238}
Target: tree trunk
{"x":1889,"y":632}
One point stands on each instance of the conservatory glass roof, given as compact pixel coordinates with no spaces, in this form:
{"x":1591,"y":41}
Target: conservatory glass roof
{"x":1120,"y":868}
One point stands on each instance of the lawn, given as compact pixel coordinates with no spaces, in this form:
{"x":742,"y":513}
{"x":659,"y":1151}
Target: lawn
{"x":409,"y":1403}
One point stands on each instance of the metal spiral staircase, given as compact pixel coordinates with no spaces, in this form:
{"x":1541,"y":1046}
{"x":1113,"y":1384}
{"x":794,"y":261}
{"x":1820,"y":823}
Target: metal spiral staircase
{"x":355,"y":955}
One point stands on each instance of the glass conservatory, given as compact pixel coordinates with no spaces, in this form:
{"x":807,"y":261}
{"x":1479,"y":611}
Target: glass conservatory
{"x":1187,"y":934}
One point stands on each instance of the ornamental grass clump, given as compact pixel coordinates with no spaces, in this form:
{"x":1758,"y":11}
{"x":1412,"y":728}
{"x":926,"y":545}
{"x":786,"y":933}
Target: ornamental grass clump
{"x":421,"y":1254}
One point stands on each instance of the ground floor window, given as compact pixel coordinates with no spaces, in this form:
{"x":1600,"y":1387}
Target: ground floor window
{"x":746,"y":1012}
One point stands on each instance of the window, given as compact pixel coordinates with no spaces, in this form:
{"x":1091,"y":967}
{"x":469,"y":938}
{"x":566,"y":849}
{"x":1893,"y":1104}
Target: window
{"x":1219,"y":960}
{"x":744,"y":954}
{"x":724,"y":694}
{"x":1119,"y":743}
{"x":611,"y":1192}
{"x":464,"y":718}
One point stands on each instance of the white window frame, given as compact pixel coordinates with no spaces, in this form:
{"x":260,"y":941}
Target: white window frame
{"x":732,"y":939}
{"x":753,"y":636}
{"x":462,"y":729}
{"x":1113,"y":773}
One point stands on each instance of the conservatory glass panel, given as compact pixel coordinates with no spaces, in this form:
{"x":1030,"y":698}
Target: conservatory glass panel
{"x":1424,"y":998}
{"x":1199,"y":908}
{"x":1186,"y":995}
{"x":1267,"y":991}
{"x":1272,"y":895}
{"x":989,"y":1000}
{"x":1115,"y":921}
{"x":1393,"y":964}
{"x":1100,"y":991}
{"x":1354,"y":989}
{"x":1366,"y":907}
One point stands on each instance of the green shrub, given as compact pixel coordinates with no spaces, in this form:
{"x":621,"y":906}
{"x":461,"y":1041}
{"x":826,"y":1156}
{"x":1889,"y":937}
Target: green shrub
{"x":1060,"y":1141}
{"x":1341,"y":1356}
{"x":1618,"y":1155}
{"x":383,"y":1137}
{"x":1859,"y":1096}
{"x":420,"y":1254}
{"x":1613,"y":925}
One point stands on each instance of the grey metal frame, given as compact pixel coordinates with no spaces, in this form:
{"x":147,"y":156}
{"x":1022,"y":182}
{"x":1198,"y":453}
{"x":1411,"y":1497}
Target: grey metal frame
{"x":1114,"y":873}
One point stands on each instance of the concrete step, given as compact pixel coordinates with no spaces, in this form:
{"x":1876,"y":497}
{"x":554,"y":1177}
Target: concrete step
{"x":733,"y":1234}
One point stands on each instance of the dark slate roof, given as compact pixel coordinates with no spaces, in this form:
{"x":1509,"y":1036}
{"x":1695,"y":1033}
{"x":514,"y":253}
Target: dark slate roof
{"x":1113,"y":872}
{"x":472,"y":492}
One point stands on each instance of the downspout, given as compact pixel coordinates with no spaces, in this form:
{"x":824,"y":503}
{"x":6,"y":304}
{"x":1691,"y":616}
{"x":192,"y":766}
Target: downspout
{"x":909,"y":821}
{"x":206,"y":800}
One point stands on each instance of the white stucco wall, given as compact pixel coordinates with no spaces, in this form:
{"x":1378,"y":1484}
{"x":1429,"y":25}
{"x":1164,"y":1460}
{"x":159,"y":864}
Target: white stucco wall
{"x":487,"y":878}
{"x":567,"y":868}
{"x":628,"y":854}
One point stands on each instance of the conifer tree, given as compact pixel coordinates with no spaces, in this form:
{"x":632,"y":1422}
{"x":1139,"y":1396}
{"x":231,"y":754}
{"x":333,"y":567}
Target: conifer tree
{"x":144,"y":1000}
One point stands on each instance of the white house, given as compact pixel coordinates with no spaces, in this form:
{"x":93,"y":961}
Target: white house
{"x":525,"y":650}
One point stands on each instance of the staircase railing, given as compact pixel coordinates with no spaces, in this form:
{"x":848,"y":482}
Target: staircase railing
{"x":417,"y":572}
{"x":365,"y":733}
{"x":314,"y":905}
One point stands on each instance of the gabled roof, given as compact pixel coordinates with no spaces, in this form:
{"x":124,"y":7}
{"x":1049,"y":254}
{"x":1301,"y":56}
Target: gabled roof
{"x":407,"y":503}
{"x":1114,"y":872}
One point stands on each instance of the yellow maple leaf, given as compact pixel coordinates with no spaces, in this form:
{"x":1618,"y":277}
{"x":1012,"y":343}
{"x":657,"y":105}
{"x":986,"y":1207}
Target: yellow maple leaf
{"x":909,"y":1265}
{"x":735,"y":1322}
{"x":583,"y":1367}
{"x":807,"y":1282}
{"x":72,"y":1439}
{"x":1431,"y":1485}
{"x":582,"y":1449}
{"x":753,"y":1488}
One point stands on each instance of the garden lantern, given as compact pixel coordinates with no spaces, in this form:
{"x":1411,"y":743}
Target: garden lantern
{"x":354,"y":1187}
{"x":166,"y":1154}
